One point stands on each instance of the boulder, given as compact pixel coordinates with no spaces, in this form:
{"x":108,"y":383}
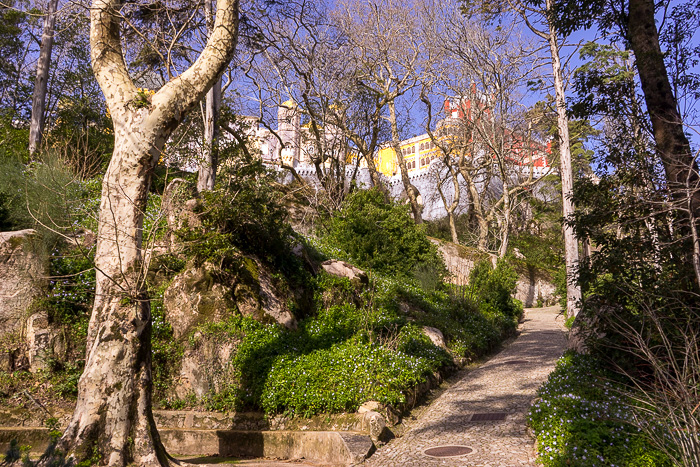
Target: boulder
{"x":435,"y":336}
{"x":23,"y":275}
{"x":535,"y":287}
{"x":194,"y":297}
{"x":377,"y":427}
{"x":271,"y":304}
{"x":342,"y":269}
{"x":388,"y":412}
{"x":205,"y":367}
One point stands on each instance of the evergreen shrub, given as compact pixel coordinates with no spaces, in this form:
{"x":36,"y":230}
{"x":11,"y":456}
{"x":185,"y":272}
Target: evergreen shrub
{"x":380,"y":236}
{"x":493,"y":288}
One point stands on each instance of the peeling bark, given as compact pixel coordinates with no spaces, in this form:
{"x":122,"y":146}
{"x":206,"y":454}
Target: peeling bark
{"x":113,"y":416}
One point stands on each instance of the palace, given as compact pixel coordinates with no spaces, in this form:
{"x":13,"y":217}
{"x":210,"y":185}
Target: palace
{"x":292,"y":145}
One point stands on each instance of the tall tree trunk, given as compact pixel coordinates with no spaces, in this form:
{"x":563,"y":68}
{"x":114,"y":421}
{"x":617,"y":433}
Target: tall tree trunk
{"x":206,"y":178}
{"x":373,"y":172}
{"x":477,"y":209}
{"x":505,"y":224}
{"x":450,"y":207}
{"x":113,"y":416}
{"x":673,"y":146}
{"x":411,"y":191}
{"x":113,"y":413}
{"x":573,"y":291}
{"x":36,"y":126}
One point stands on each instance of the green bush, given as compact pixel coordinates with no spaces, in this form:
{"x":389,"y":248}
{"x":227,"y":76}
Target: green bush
{"x":245,"y":209}
{"x":71,"y":288}
{"x":580,"y":420}
{"x":381,"y":236}
{"x":45,"y":196}
{"x":341,"y":378}
{"x":493,"y":288}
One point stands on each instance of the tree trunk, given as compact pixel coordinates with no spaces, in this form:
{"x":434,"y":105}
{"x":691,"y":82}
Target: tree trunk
{"x":573,"y":291}
{"x":36,"y":126}
{"x":113,"y":418}
{"x":453,"y":226}
{"x":118,"y":424}
{"x":373,"y":172}
{"x":505,"y":227}
{"x":477,"y":210}
{"x":672,"y":144}
{"x":206,"y":178}
{"x":411,"y":191}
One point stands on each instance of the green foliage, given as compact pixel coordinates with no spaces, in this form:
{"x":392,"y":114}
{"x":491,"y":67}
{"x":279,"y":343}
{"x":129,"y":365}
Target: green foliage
{"x":166,"y":351}
{"x":359,"y":345}
{"x":493,"y":288}
{"x":543,"y":251}
{"x":244,"y":212}
{"x":71,"y":288}
{"x":541,"y":244}
{"x":341,"y":378}
{"x":154,"y":221}
{"x":45,"y":196}
{"x":580,"y":420}
{"x":381,"y":236}
{"x":440,"y":228}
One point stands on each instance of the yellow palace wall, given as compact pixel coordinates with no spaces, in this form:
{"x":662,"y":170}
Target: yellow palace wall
{"x":418,"y":152}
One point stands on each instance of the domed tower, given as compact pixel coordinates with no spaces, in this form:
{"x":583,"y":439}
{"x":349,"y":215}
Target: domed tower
{"x":289,"y":130}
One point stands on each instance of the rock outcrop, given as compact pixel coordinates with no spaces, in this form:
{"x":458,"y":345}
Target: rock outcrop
{"x":435,"y":336}
{"x":342,"y":269}
{"x":533,"y":286}
{"x":194,"y":297}
{"x":23,"y":275}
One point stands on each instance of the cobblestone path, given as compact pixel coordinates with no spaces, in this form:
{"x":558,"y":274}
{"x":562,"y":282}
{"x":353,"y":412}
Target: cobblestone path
{"x":503,"y":386}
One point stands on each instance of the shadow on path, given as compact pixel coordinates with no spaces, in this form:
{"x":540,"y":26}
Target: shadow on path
{"x":503,"y":386}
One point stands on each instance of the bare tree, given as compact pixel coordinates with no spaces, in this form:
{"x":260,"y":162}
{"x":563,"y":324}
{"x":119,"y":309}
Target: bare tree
{"x":483,"y":135}
{"x":540,"y":19}
{"x":387,"y":47}
{"x":113,"y":414}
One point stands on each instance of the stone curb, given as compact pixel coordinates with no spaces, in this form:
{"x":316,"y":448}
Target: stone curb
{"x":327,"y":447}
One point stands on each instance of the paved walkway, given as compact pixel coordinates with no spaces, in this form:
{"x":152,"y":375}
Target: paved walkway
{"x":505,"y":385}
